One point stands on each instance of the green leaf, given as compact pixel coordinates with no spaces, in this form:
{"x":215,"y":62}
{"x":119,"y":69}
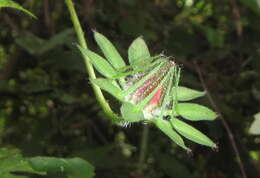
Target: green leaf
{"x":2,"y":126}
{"x":35,"y":45}
{"x":10,"y":161}
{"x":255,"y":126}
{"x":108,"y":86}
{"x":195,"y":112}
{"x":172,"y":166}
{"x":166,"y":127}
{"x":31,"y":43}
{"x":73,"y":167}
{"x":215,"y":37}
{"x":186,"y":94}
{"x":109,"y":51}
{"x":102,"y":66}
{"x":131,"y":113}
{"x":191,"y":133}
{"x":138,"y":51}
{"x":252,"y":5}
{"x":12,"y":4}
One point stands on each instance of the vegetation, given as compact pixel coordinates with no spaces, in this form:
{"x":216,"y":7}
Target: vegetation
{"x":60,"y":118}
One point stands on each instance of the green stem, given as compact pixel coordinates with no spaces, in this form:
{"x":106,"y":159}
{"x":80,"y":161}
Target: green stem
{"x":143,"y":147}
{"x":80,"y":35}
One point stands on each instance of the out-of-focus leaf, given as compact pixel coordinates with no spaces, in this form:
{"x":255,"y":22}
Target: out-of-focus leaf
{"x":12,"y":161}
{"x":191,"y":133}
{"x":66,"y":36}
{"x":195,"y":112}
{"x":61,"y":59}
{"x":73,"y":167}
{"x":68,"y":99}
{"x":252,"y":4}
{"x":37,"y":46}
{"x":186,"y":94}
{"x":2,"y":126}
{"x":166,"y":127}
{"x":255,"y":155}
{"x":35,"y":86}
{"x":173,"y":167}
{"x":215,"y":37}
{"x":31,"y":43}
{"x":12,"y":4}
{"x":138,"y":51}
{"x":103,"y":157}
{"x":109,"y":51}
{"x":255,"y":126}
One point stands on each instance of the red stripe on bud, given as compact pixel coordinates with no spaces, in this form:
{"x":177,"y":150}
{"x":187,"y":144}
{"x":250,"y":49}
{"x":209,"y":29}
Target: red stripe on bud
{"x":149,"y":86}
{"x":155,"y":101}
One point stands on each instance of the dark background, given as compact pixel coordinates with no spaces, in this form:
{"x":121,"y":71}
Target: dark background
{"x":47,"y":106}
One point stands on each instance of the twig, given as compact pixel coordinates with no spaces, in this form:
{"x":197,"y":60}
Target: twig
{"x":48,"y":17}
{"x":236,"y":16}
{"x":223,"y":121}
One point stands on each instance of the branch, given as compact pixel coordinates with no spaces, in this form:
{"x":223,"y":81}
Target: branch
{"x":223,"y":121}
{"x":236,"y":16}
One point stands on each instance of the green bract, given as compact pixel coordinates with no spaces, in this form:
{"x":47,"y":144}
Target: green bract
{"x":149,"y":90}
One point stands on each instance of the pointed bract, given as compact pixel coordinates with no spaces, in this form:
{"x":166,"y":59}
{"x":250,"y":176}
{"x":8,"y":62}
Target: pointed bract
{"x":186,"y":94}
{"x":195,"y":112}
{"x":191,"y":133}
{"x":100,"y":64}
{"x":108,"y":86}
{"x":138,"y":51}
{"x":166,"y":127}
{"x":109,"y":51}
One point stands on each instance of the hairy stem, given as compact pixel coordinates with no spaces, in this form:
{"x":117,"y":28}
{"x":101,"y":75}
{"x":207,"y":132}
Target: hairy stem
{"x":80,"y":35}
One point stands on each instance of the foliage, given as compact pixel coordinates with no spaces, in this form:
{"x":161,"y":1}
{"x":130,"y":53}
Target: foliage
{"x":12,"y":4}
{"x":13,"y":165}
{"x":12,"y":161}
{"x":48,"y":108}
{"x":255,"y":126}
{"x":73,"y":167}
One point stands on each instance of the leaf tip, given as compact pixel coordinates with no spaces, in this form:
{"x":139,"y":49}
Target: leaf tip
{"x":94,"y":30}
{"x":96,"y":34}
{"x":189,"y":152}
{"x":216,"y":115}
{"x":215,"y":148}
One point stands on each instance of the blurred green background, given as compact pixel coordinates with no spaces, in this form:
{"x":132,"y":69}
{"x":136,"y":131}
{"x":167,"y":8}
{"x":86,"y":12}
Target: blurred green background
{"x":47,"y":106}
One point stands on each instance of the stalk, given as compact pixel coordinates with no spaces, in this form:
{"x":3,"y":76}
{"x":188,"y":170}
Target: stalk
{"x":82,"y":42}
{"x":143,"y":148}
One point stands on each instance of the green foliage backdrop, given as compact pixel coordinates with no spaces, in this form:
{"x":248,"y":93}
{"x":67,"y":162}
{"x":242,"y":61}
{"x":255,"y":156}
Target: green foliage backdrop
{"x":47,"y":107}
